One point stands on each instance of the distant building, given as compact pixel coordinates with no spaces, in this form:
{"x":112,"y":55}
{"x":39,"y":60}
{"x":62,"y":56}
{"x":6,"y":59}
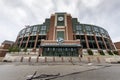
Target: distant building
{"x":117,"y":44}
{"x":62,"y":35}
{"x":4,"y":47}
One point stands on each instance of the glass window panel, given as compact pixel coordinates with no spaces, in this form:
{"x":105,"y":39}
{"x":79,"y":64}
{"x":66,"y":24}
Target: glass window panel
{"x":102,"y":31}
{"x":96,"y":29}
{"x":77,"y":32}
{"x":28,"y":30}
{"x":88,"y":28}
{"x":60,"y":34}
{"x":23,"y":31}
{"x":43,"y":27}
{"x":106,"y":33}
{"x":78,"y":27}
{"x":33,"y":33}
{"x":34,"y":28}
{"x":81,"y":32}
{"x":43,"y":32}
{"x":97,"y":34}
{"x":88,"y":32}
{"x":26,"y":34}
{"x":20,"y":33}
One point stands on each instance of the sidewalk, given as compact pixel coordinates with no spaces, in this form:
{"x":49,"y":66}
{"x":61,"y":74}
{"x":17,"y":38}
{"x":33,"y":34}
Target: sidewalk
{"x":13,"y":71}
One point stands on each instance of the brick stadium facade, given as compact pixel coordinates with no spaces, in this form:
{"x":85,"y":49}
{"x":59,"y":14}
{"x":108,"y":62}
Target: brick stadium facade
{"x":62,"y":35}
{"x":4,"y":47}
{"x":117,"y":44}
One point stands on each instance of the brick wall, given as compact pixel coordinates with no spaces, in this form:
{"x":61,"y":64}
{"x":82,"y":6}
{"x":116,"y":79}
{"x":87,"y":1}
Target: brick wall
{"x":70,"y":30}
{"x":117,"y":44}
{"x":51,"y":29}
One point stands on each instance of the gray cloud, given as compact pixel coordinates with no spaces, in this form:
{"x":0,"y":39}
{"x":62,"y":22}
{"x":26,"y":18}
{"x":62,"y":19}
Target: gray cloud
{"x":15,"y":14}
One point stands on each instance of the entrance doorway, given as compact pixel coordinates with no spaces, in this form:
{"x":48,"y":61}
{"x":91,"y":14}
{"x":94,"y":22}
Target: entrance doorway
{"x":60,"y":51}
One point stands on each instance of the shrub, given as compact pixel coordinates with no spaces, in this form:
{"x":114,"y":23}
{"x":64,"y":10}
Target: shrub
{"x":14,"y":49}
{"x":90,"y":52}
{"x":25,"y":50}
{"x":101,"y":52}
{"x":110,"y":53}
{"x":116,"y":52}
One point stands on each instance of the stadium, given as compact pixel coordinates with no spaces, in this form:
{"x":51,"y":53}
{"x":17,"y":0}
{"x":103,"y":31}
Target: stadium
{"x":62,"y":35}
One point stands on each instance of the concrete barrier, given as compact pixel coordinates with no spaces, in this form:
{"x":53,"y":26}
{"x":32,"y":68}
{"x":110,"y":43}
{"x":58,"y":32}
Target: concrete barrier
{"x":70,"y":59}
{"x":45,"y":59}
{"x":21,"y":60}
{"x":53,"y":59}
{"x":84,"y":59}
{"x":37,"y":59}
{"x":79,"y":59}
{"x":62,"y":59}
{"x":89,"y":60}
{"x":98,"y":59}
{"x":29,"y":59}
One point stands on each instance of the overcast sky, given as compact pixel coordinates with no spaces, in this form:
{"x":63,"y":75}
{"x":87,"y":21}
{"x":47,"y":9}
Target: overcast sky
{"x":15,"y":14}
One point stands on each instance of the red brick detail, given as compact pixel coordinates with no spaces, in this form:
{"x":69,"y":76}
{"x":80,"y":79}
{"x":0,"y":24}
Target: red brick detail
{"x":27,"y":41}
{"x":40,"y":51}
{"x":4,"y":49}
{"x":86,"y":41}
{"x":96,"y":41}
{"x":113,"y":48}
{"x":36,"y":41}
{"x":117,"y":44}
{"x":51,"y":29}
{"x":69,"y":27}
{"x":104,"y":42}
{"x":21,"y":41}
{"x":3,"y":53}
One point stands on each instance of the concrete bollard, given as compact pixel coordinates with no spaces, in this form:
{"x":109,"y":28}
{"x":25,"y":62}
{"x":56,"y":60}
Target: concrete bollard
{"x":21,"y":60}
{"x":98,"y":59}
{"x":29,"y":59}
{"x":45,"y":59}
{"x":62,"y":59}
{"x":53,"y":59}
{"x":70,"y":59}
{"x":89,"y":60}
{"x":80,"y":59}
{"x":37,"y":59}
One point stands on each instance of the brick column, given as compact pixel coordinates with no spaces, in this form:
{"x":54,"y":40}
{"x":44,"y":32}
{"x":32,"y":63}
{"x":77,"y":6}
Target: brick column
{"x":86,"y":41}
{"x":40,"y":51}
{"x":21,"y":41}
{"x":51,"y":29}
{"x":111,"y":44}
{"x":74,"y":36}
{"x":27,"y":41}
{"x":34,"y":49}
{"x":80,"y":52}
{"x":96,"y":41}
{"x":104,"y":42}
{"x":69,"y":28}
